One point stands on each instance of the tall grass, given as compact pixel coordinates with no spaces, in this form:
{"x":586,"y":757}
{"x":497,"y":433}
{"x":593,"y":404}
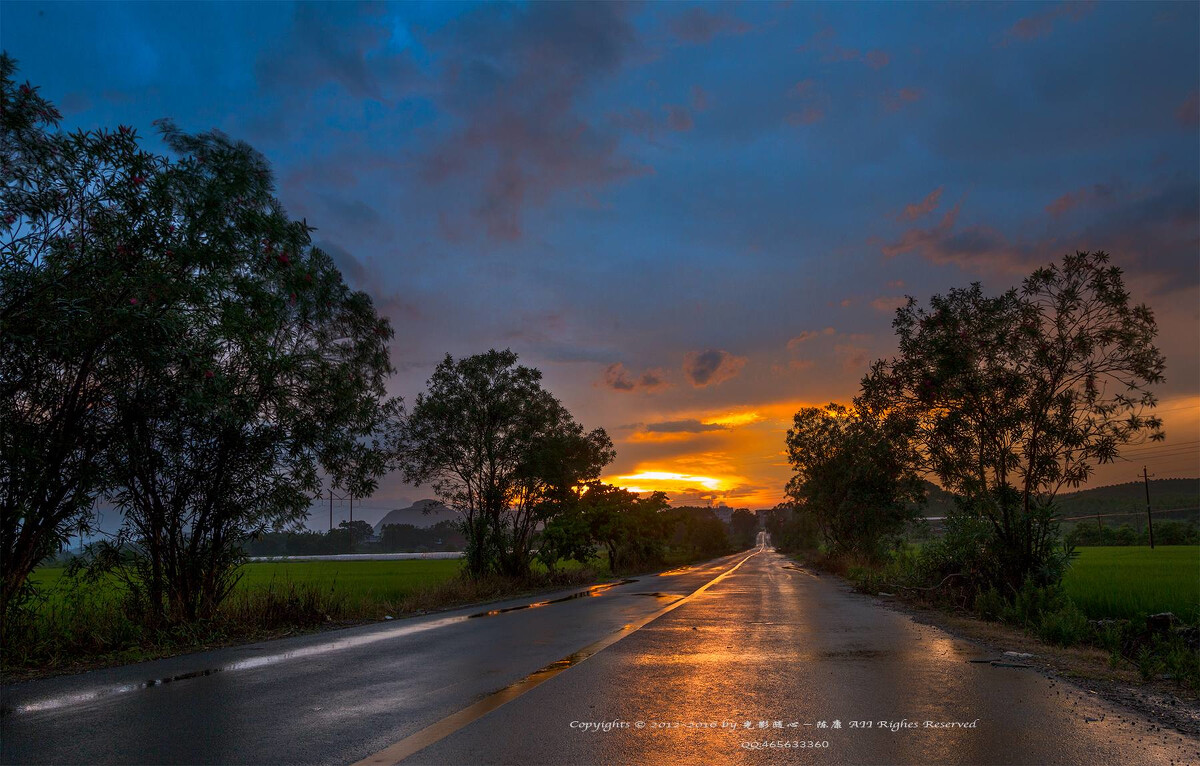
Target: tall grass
{"x":73,"y":625}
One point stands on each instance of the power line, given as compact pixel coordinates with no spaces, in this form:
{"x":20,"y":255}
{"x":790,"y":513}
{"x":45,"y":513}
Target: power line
{"x":1091,"y":516}
{"x":1161,"y":445}
{"x":1176,"y":409}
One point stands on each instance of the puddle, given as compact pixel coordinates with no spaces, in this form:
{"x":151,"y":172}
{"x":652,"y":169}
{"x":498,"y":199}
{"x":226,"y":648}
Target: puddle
{"x":595,"y":590}
{"x":855,"y":654}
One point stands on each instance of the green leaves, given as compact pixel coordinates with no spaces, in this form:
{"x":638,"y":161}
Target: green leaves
{"x":168,"y":337}
{"x":855,"y":474}
{"x":1012,"y":397}
{"x":496,"y":445}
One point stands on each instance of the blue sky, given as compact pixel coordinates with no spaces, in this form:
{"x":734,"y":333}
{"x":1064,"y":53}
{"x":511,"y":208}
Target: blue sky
{"x":683,"y":213}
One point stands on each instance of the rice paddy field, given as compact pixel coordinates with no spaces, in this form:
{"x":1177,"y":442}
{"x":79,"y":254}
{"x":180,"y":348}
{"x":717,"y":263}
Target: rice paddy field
{"x":372,"y":580}
{"x":1129,"y":582}
{"x":356,"y":581}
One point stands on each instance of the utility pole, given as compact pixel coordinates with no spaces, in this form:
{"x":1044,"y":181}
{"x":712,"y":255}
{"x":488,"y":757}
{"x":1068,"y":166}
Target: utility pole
{"x":331,"y":509}
{"x":1149,"y":518}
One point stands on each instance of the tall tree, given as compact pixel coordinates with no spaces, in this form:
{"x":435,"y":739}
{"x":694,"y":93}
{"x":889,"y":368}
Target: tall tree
{"x":67,"y":295}
{"x":743,"y":527}
{"x":1013,"y":397}
{"x":256,"y":371}
{"x":855,"y":475}
{"x":502,"y":450}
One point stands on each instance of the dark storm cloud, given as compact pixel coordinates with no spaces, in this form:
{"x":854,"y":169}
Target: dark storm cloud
{"x":618,"y":378}
{"x":1155,"y":229}
{"x":339,"y":43}
{"x":706,"y":368}
{"x":690,"y":426}
{"x":512,"y":78}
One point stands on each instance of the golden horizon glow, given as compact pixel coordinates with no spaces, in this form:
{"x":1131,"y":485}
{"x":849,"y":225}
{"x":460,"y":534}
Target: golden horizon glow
{"x":708,"y":482}
{"x":733,"y":419}
{"x":744,"y":465}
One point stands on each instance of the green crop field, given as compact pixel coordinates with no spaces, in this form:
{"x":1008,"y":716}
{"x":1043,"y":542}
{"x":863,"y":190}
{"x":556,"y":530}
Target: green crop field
{"x":371,"y":580}
{"x":1131,"y":582}
{"x":377,"y":579}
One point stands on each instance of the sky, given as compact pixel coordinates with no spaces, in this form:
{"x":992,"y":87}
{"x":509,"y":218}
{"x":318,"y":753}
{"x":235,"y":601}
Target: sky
{"x":693,"y":218}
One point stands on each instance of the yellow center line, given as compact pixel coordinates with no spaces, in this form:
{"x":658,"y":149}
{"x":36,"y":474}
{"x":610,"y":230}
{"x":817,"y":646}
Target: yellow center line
{"x":437,"y":731}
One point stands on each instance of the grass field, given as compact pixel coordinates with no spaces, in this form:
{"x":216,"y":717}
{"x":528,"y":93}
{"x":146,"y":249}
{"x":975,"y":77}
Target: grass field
{"x":358,"y":581}
{"x":382,"y":581}
{"x":1131,"y":582}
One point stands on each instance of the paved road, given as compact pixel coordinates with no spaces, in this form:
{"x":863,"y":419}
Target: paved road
{"x":702,"y":646}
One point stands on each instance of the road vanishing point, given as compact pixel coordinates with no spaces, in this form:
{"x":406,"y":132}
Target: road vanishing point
{"x":744,"y":659}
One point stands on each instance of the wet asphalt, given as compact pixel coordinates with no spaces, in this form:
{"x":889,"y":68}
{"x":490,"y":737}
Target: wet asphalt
{"x":820,"y":674}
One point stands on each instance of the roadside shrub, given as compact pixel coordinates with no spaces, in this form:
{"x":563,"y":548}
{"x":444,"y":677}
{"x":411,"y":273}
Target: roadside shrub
{"x":1149,"y":662}
{"x":1065,"y":626}
{"x":1031,"y":602}
{"x":990,"y":605}
{"x":1182,"y":662}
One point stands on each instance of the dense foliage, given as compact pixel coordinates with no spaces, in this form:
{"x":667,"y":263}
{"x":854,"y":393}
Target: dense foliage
{"x":173,"y":342}
{"x":1010,"y":398}
{"x":502,"y":450}
{"x":64,"y":321}
{"x":854,"y":478}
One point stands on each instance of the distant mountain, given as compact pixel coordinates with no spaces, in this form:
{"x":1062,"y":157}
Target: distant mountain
{"x":1165,"y":494}
{"x":422,"y":514}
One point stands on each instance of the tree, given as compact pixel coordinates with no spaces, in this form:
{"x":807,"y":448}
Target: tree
{"x":854,"y":475}
{"x":566,"y":536}
{"x":632,"y":529}
{"x":502,"y":450}
{"x":698,"y":529}
{"x":743,"y":527}
{"x":1011,"y":398}
{"x":360,"y":531}
{"x":65,"y":317}
{"x":259,"y":372}
{"x":791,"y":530}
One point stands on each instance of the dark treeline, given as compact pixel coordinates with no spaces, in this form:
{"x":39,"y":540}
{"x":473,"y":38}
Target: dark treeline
{"x":1003,"y":400}
{"x":1165,"y":533}
{"x":394,"y":538}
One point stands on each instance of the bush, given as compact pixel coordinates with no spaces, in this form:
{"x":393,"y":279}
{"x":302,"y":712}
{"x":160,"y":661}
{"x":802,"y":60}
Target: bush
{"x":1066,"y":626}
{"x":990,"y":605}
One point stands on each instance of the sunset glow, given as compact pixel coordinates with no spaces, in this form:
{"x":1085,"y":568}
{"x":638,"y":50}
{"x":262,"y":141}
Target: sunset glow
{"x":673,"y":480}
{"x":689,"y":253}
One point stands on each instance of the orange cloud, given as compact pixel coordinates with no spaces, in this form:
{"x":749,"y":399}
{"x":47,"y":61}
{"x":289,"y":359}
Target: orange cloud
{"x":618,"y":378}
{"x":808,"y":335}
{"x":889,"y":303}
{"x":913,"y":211}
{"x":711,"y":367}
